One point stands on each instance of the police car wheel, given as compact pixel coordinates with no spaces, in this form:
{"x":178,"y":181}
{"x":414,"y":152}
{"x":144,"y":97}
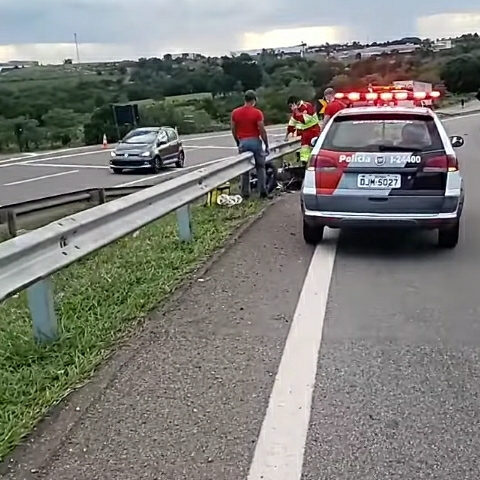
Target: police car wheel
{"x":312,"y":235}
{"x":448,"y":237}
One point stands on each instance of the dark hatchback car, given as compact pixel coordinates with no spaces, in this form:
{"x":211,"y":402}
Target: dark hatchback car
{"x":149,"y":148}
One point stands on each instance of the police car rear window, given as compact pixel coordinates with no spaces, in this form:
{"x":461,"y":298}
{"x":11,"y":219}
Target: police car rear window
{"x":378,"y":132}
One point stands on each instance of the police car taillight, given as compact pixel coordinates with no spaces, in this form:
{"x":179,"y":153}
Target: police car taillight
{"x":444,"y":163}
{"x":321,"y":161}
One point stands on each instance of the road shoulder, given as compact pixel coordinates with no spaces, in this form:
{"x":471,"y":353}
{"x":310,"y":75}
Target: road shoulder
{"x":186,"y":398}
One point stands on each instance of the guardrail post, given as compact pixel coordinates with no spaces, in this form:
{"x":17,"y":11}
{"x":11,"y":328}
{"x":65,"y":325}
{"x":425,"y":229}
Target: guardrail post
{"x":98,"y":196}
{"x":12,"y":223}
{"x":42,"y":310}
{"x":184,"y":220}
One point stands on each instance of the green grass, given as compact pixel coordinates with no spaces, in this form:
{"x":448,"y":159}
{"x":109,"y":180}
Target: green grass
{"x":99,"y":301}
{"x":49,"y":74}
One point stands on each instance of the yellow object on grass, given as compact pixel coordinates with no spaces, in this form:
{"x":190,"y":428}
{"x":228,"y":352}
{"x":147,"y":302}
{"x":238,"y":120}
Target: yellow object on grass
{"x":212,"y":197}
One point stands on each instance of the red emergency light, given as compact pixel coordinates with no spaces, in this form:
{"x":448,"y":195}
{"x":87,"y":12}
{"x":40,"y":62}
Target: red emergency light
{"x":388,"y":96}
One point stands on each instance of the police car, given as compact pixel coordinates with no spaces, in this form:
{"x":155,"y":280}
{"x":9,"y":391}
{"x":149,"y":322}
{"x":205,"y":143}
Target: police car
{"x":384,"y":164}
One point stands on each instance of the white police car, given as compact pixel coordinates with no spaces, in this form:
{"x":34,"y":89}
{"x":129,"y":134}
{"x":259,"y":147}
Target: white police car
{"x":384,"y":166}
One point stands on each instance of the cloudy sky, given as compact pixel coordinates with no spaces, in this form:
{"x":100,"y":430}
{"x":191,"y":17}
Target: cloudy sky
{"x":127,"y":29}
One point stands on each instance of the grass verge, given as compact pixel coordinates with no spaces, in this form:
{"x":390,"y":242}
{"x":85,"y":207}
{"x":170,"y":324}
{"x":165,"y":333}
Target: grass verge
{"x":99,"y":301}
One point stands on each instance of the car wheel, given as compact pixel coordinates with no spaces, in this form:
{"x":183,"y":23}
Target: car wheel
{"x":117,"y":170}
{"x":157,"y":165}
{"x":180,"y":163}
{"x":448,"y":236}
{"x":313,"y":235}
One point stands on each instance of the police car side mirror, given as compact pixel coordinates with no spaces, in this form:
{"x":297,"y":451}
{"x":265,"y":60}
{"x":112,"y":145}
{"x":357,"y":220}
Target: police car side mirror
{"x":457,"y":141}
{"x":313,"y":141}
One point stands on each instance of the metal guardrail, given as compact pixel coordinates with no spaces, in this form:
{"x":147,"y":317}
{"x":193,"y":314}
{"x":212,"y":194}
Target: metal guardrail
{"x":28,"y":261}
{"x":10,"y":214}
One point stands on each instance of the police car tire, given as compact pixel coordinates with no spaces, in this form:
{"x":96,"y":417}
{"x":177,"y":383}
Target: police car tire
{"x":448,"y":237}
{"x":313,"y":235}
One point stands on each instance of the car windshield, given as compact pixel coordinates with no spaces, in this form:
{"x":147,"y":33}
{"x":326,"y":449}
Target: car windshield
{"x":140,"y":136}
{"x":383,"y":132}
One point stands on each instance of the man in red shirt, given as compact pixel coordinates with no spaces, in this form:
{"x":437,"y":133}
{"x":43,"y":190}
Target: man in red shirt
{"x":334,"y":105}
{"x":248,"y":130}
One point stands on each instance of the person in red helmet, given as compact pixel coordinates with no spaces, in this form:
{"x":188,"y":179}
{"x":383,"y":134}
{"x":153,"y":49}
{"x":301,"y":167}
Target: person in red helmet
{"x":305,"y":123}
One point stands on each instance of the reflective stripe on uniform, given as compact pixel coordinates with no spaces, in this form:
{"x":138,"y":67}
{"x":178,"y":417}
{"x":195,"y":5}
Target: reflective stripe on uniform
{"x":292,"y":122}
{"x":305,"y":152}
{"x":309,"y":121}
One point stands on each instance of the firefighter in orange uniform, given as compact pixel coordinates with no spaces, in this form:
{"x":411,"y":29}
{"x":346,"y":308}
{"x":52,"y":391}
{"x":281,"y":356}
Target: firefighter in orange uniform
{"x":304,"y":122}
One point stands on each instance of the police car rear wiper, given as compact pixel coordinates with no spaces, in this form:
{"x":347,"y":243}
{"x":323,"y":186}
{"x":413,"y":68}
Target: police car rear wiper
{"x":395,"y":148}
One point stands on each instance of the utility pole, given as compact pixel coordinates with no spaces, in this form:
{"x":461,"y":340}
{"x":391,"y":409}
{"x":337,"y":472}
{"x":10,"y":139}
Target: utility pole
{"x":303,"y":45}
{"x":76,"y":47}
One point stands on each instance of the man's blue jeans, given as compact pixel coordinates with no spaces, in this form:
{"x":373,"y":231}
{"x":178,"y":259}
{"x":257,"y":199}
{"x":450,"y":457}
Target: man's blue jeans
{"x":255,"y":146}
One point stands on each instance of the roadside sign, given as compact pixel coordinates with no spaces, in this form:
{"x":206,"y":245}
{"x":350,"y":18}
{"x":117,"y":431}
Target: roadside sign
{"x":323,"y":104}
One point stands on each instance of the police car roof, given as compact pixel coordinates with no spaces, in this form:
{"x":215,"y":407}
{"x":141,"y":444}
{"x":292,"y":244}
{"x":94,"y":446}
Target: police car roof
{"x":386,"y":110}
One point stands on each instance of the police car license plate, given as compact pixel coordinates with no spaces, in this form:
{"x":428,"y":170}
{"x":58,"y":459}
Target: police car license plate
{"x":379,"y":181}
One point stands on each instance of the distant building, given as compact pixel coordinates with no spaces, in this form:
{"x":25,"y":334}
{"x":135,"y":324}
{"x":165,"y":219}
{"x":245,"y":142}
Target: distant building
{"x":367,"y":52}
{"x":15,"y":64}
{"x":442,"y":45}
{"x":23,"y":63}
{"x":352,"y":51}
{"x":281,"y":51}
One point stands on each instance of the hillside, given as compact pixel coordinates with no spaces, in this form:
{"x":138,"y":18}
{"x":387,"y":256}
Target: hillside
{"x":49,"y":106}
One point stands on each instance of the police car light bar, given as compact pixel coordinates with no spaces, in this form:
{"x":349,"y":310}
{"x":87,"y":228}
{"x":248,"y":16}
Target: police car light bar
{"x":388,"y":96}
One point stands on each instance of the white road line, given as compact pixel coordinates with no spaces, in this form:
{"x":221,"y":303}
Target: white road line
{"x":190,"y":167}
{"x":40,"y":178}
{"x":449,"y":119}
{"x":281,"y":445}
{"x":195,"y":147}
{"x":65,"y":166}
{"x":48,"y":159}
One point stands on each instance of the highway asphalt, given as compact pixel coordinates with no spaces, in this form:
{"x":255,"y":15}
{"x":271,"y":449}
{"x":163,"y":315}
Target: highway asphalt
{"x":25,"y":177}
{"x":359,"y":359}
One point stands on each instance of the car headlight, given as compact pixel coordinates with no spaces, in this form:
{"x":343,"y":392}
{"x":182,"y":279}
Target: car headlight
{"x":113,"y":154}
{"x":146,"y":154}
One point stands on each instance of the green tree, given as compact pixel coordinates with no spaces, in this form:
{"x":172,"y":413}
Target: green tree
{"x":462,"y":74}
{"x":101,"y":122}
{"x":244,"y":69}
{"x":32,"y":133}
{"x":63,"y":125}
{"x":301,"y":89}
{"x":7,"y":135}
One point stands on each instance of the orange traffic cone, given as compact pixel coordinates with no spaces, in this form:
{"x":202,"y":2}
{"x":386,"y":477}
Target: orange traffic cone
{"x":105,"y":143}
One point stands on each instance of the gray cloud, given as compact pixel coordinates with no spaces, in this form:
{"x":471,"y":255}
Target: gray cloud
{"x":203,"y":25}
